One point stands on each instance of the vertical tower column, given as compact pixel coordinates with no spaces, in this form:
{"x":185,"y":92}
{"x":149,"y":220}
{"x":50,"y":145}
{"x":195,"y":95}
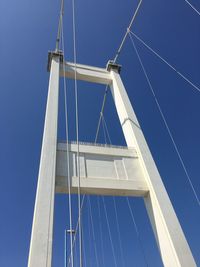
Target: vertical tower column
{"x":170,"y":239}
{"x":40,"y":254}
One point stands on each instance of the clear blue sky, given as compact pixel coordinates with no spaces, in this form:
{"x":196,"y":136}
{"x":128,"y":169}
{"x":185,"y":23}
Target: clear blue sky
{"x":28,"y":30}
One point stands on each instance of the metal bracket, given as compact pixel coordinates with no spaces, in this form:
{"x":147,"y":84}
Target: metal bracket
{"x":52,"y":54}
{"x":111,"y":65}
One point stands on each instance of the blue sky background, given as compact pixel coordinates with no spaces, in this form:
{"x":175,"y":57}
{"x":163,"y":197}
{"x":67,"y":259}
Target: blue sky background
{"x":28,"y":30}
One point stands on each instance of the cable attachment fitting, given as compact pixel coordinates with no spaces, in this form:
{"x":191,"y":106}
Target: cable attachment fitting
{"x":51,"y":55}
{"x":71,"y":231}
{"x":111,"y":65}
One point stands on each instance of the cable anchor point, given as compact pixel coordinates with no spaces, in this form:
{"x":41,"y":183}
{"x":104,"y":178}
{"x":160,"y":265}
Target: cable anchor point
{"x":51,"y":54}
{"x":111,"y":65}
{"x":71,"y":231}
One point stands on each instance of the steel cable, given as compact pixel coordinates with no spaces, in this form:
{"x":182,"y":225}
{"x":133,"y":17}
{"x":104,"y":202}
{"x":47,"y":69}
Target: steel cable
{"x":166,"y":124}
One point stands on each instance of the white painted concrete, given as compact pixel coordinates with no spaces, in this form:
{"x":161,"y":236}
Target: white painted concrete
{"x":85,"y":73}
{"x":40,"y":254}
{"x":103,"y":170}
{"x":171,"y":241}
{"x":112,"y":171}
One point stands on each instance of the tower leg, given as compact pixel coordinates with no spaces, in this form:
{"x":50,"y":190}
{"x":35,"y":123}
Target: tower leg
{"x":40,"y":253}
{"x":171,"y":241}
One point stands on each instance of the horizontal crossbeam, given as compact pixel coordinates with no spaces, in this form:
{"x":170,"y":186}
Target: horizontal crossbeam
{"x":104,"y":170}
{"x":85,"y":73}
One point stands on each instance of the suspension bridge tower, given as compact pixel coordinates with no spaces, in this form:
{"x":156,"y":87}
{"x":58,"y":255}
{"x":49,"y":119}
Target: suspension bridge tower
{"x":102,"y":170}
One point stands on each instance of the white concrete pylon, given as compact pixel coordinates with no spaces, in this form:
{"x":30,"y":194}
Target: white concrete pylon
{"x":171,"y":241}
{"x":40,"y":254}
{"x":172,"y":244}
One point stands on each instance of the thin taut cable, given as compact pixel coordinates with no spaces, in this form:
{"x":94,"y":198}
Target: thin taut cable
{"x":101,"y":231}
{"x":68,"y":165}
{"x":106,"y":128}
{"x":166,"y":124}
{"x":136,"y":230}
{"x":127,"y":31}
{"x":60,"y":25}
{"x":192,"y":7}
{"x":109,"y":231}
{"x":114,"y":60}
{"x":76,"y":229}
{"x":118,"y":231}
{"x":165,"y":61}
{"x":104,"y":131}
{"x":101,"y":113}
{"x":77,"y":132}
{"x":93,"y":233}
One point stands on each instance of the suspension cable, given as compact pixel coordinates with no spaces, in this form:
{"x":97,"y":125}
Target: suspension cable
{"x":76,"y":261}
{"x":126,"y":34}
{"x":77,"y":129}
{"x":60,"y":25}
{"x":65,"y":248}
{"x":89,"y":235}
{"x":101,"y":113}
{"x":136,"y":230}
{"x":92,"y":224}
{"x":114,"y":60}
{"x":104,"y":131}
{"x":165,"y":61}
{"x":109,"y":231}
{"x":118,"y":231}
{"x":83,"y":199}
{"x":131,"y":212}
{"x":106,"y":127}
{"x":84,"y":250}
{"x":192,"y":7}
{"x":77,"y":226}
{"x":67,"y":144}
{"x":101,"y":231}
{"x":97,"y":133}
{"x":165,"y":122}
{"x":102,"y":120}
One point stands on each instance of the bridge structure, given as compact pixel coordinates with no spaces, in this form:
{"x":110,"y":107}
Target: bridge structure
{"x":102,"y":170}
